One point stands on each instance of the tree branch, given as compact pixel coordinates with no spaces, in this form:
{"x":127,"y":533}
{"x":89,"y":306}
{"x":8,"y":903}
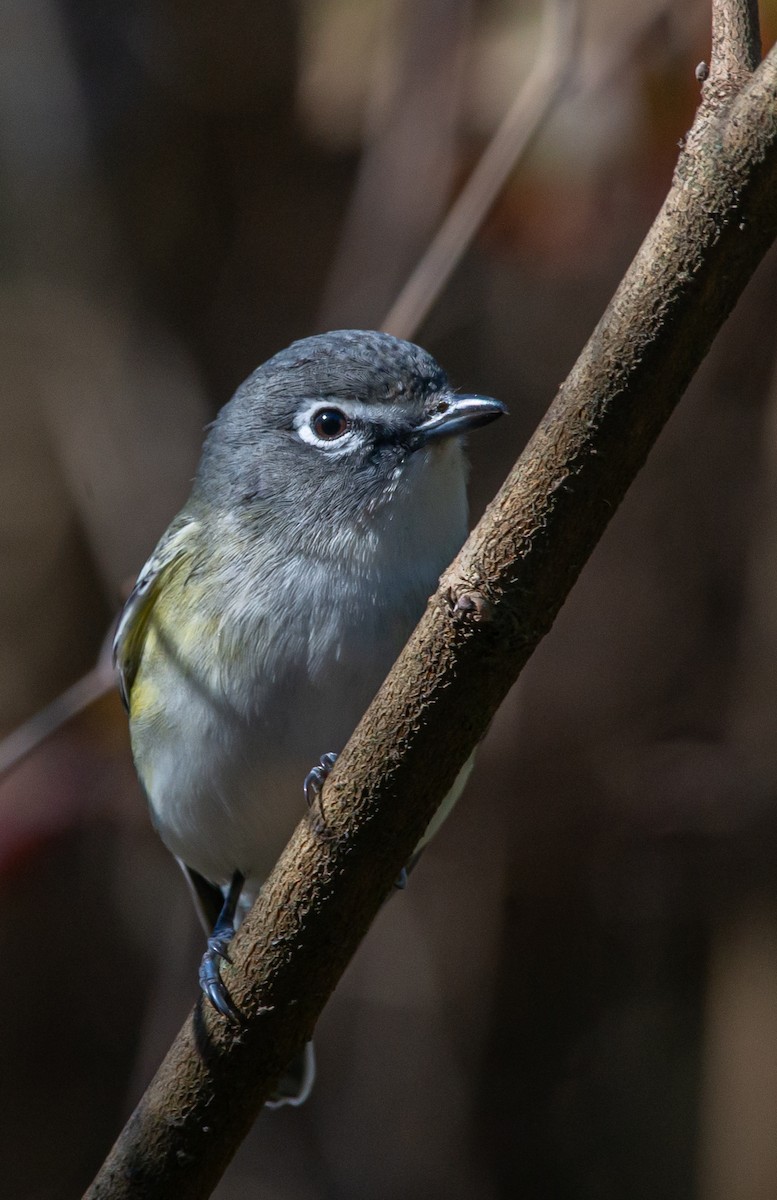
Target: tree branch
{"x":736,"y":49}
{"x":493,"y":606}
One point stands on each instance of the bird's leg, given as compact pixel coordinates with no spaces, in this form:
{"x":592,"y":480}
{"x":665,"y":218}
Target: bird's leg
{"x":223,"y":932}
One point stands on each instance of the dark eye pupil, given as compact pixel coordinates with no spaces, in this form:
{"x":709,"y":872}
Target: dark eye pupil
{"x":329,"y":423}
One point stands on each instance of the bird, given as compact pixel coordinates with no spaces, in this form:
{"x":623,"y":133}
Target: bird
{"x":329,"y":497}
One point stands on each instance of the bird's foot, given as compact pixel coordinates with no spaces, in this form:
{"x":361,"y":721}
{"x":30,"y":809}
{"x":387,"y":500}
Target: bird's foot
{"x":211,"y":982}
{"x":314,"y":786}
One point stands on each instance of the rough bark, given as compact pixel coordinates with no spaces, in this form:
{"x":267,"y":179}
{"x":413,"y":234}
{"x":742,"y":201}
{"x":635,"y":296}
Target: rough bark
{"x":736,"y":49}
{"x":492,"y":608}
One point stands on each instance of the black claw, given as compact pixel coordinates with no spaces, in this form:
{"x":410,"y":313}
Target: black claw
{"x":213,"y":987}
{"x":400,"y":883}
{"x":317,"y":777}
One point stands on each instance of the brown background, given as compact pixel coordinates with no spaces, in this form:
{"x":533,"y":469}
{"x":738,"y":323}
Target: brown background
{"x":576,"y":997}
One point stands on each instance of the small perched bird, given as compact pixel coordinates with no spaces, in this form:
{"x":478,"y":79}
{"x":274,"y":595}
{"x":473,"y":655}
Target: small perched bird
{"x":330,"y":495}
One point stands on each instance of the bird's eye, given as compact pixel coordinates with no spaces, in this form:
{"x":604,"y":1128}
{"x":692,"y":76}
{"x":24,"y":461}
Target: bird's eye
{"x":329,"y":424}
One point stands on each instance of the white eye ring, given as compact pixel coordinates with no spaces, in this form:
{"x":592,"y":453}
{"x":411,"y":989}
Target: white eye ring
{"x":328,"y":427}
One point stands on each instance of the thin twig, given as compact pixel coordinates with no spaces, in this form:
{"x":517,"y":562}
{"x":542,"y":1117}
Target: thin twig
{"x":74,"y":700}
{"x":539,"y":94}
{"x":407,"y":164}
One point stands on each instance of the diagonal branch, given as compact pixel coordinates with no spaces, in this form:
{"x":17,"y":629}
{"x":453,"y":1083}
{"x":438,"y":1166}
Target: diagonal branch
{"x":493,"y":606}
{"x":15,"y":747}
{"x":527,"y":113}
{"x":407,"y":163}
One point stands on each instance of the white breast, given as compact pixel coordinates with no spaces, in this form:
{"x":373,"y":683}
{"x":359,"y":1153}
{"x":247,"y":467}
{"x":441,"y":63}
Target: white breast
{"x":301,"y":652}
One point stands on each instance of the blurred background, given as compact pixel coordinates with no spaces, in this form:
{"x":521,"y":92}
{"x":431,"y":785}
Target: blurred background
{"x":576,"y":996}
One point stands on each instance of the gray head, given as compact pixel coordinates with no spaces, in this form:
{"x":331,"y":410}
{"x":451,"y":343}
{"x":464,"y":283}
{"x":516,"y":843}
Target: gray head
{"x":334,"y":427}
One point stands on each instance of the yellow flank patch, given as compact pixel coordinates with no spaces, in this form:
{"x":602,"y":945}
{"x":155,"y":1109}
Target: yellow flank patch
{"x":180,"y":639}
{"x":183,"y":650}
{"x":146,"y":700}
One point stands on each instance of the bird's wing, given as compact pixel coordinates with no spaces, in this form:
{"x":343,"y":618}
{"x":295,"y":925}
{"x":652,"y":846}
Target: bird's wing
{"x":136,"y":614}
